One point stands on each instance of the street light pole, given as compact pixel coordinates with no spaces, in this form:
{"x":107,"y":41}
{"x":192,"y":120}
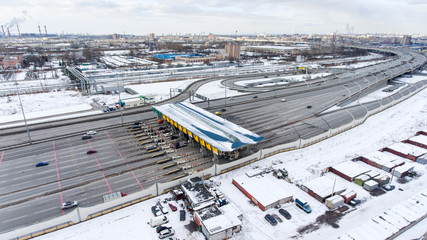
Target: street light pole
{"x":225,"y":95}
{"x":120,"y":101}
{"x":23,"y":114}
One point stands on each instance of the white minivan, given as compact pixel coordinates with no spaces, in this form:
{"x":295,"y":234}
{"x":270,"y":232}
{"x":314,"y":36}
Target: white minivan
{"x":159,"y":220}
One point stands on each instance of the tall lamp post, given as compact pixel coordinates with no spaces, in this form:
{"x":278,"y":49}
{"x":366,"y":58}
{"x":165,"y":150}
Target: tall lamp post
{"x":23,"y":114}
{"x":120,"y":101}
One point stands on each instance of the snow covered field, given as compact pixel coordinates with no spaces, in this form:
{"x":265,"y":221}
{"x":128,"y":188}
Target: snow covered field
{"x":392,"y":125}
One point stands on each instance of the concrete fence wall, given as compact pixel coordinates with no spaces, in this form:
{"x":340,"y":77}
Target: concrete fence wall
{"x":82,"y":214}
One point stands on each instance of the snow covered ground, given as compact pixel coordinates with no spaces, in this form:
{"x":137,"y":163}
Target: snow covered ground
{"x":392,"y":125}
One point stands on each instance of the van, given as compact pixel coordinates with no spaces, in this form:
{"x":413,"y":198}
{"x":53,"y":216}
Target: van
{"x":159,"y":220}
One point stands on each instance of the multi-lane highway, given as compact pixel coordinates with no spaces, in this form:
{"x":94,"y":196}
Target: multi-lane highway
{"x":29,"y":194}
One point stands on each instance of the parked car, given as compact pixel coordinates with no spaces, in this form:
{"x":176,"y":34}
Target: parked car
{"x":354,"y":202}
{"x":181,"y":215}
{"x":163,"y":227}
{"x":41,"y":164}
{"x":156,"y":211}
{"x":173,"y":207}
{"x":69,"y":204}
{"x":86,"y":137}
{"x":91,"y":152}
{"x":166,"y":233}
{"x":91,"y":133}
{"x":270,"y":219}
{"x":285,"y":213}
{"x":388,"y":187}
{"x":276,"y":217}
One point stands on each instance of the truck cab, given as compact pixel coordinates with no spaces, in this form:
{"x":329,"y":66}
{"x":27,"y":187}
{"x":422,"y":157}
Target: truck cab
{"x":304,"y":206}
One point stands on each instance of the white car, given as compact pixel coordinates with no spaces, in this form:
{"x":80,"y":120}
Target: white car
{"x":69,"y":204}
{"x":166,"y":233}
{"x":91,"y":133}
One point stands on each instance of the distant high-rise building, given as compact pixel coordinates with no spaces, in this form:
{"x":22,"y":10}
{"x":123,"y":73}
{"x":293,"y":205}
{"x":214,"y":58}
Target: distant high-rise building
{"x":116,"y":36}
{"x":211,"y":36}
{"x":406,"y":40}
{"x":233,"y":50}
{"x":151,"y":36}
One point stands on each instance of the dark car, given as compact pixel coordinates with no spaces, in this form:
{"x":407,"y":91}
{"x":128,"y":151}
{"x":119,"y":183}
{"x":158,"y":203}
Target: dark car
{"x":308,"y":106}
{"x":181,"y":215}
{"x":41,"y":164}
{"x":162,"y":128}
{"x":136,"y":123}
{"x":285,"y":213}
{"x":162,"y":227}
{"x":91,"y":152}
{"x":223,"y":110}
{"x":255,"y":97}
{"x":86,"y":137}
{"x":388,"y":187}
{"x":270,"y":219}
{"x":136,"y":126}
{"x":354,"y":202}
{"x":174,"y":137}
{"x":277,"y":217}
{"x":156,"y":211}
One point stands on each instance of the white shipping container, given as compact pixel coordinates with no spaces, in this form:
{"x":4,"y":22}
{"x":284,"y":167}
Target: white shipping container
{"x":334,"y":202}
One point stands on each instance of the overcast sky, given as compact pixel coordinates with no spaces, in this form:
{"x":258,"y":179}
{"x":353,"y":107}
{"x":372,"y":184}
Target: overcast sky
{"x":215,"y":16}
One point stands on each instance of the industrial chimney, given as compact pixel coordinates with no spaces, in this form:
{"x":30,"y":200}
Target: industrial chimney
{"x":45,"y":30}
{"x":4,"y":34}
{"x":19,"y":33}
{"x":40,"y":31}
{"x":8,"y":33}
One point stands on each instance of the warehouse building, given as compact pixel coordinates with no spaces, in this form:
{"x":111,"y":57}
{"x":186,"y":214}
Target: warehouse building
{"x":419,"y":141}
{"x":381,"y":160}
{"x":405,"y":150}
{"x":322,"y":188}
{"x":266,"y":191}
{"x":348,"y":170}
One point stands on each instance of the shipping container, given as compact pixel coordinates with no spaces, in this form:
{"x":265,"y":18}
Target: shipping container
{"x":370,"y":185}
{"x":334,"y":202}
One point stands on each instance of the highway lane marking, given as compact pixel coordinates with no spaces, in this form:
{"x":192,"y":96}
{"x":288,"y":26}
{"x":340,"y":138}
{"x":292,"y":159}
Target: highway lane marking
{"x":99,"y":165}
{"x":2,"y":154}
{"x":57,"y":176}
{"x":124,"y":160}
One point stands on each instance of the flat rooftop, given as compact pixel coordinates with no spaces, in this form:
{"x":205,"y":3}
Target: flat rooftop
{"x":324,"y":186}
{"x":351,"y":169}
{"x":219,"y":133}
{"x":408,"y":149}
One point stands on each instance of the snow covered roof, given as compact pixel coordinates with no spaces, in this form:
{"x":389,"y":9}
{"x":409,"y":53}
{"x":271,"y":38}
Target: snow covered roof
{"x":266,"y":190}
{"x":380,"y":157}
{"x":323,"y":186}
{"x":198,"y":194}
{"x":419,"y":139}
{"x":210,"y":129}
{"x":408,"y":149}
{"x":217,"y":220}
{"x":351,"y":169}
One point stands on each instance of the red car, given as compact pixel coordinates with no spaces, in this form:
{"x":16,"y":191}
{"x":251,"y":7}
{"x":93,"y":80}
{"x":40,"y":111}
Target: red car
{"x":173,"y":207}
{"x":91,"y":151}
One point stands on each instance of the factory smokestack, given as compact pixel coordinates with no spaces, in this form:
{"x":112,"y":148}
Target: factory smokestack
{"x":4,"y":34}
{"x":19,"y":33}
{"x":40,"y":31}
{"x":45,"y":30}
{"x":8,"y":33}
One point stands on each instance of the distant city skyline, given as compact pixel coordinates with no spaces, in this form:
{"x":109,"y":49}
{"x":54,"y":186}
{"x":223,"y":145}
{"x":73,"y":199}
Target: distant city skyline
{"x":215,"y":16}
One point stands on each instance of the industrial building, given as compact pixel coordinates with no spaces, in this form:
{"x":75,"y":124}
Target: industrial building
{"x":405,"y":150}
{"x":322,"y":188}
{"x":348,"y":170}
{"x":419,"y":141}
{"x":215,"y":135}
{"x":381,"y":160}
{"x":266,"y":191}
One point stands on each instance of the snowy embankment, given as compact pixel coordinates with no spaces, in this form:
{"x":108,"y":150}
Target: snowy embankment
{"x":385,"y":128}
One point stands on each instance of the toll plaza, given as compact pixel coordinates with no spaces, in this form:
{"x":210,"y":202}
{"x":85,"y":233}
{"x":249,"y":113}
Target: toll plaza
{"x":214,"y":135}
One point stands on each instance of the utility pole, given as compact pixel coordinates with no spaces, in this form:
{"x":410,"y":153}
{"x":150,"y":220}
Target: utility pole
{"x":23,"y":114}
{"x":120,"y":101}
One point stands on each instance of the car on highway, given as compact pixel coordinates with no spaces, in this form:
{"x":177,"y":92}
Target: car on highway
{"x":166,"y":233}
{"x":91,"y":152}
{"x":283,"y":100}
{"x":255,"y":97}
{"x":285,"y":213}
{"x":91,"y":133}
{"x":223,"y":110}
{"x":69,"y":204}
{"x":86,"y":137}
{"x":217,"y":113}
{"x":41,"y":164}
{"x":150,"y":147}
{"x":173,"y":207}
{"x":270,"y":219}
{"x":308,"y":106}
